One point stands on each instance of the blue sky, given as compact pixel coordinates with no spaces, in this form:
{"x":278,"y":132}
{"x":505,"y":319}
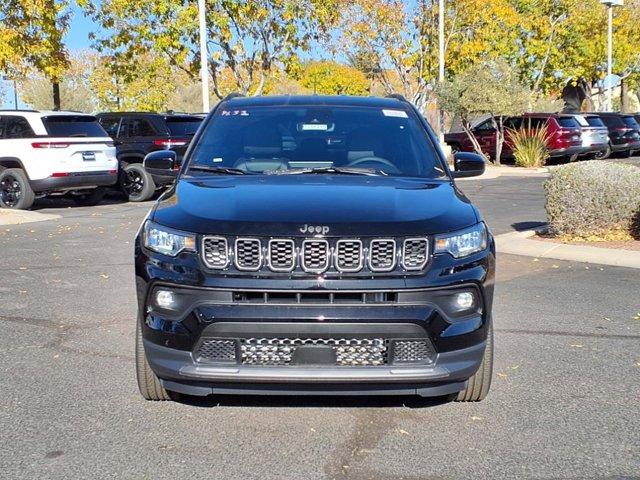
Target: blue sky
{"x":78,"y":36}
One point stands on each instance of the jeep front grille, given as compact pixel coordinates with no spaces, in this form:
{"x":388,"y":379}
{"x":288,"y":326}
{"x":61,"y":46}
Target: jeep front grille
{"x":315,"y":256}
{"x":248,"y":254}
{"x":349,"y":257}
{"x":415,"y":253}
{"x":382,"y":255}
{"x":282,"y":255}
{"x":215,"y":252}
{"x":337,"y":256}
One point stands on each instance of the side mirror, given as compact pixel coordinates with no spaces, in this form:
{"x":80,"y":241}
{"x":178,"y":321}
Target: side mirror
{"x":162,"y":163}
{"x":467,"y":164}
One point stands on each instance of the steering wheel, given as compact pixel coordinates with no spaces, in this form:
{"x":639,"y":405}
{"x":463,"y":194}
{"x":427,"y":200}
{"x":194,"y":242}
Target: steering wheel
{"x":373,"y":159}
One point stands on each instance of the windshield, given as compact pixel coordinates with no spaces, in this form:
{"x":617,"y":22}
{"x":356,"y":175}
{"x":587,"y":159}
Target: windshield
{"x":183,"y":126}
{"x":73,"y":126}
{"x":316,"y":139}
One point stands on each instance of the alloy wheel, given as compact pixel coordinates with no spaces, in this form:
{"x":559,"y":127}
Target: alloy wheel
{"x":10,"y":191}
{"x":133,"y":182}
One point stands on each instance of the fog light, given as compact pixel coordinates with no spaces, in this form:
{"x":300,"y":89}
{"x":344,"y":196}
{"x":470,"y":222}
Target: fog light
{"x":464,"y":301}
{"x":165,"y":299}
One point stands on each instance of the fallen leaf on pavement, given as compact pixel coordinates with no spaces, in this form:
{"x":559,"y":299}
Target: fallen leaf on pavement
{"x":104,"y":275}
{"x":475,"y":418}
{"x":403,"y":432}
{"x":502,"y":375}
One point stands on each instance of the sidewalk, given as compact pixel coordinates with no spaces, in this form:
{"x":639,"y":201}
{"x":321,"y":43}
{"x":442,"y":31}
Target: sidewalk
{"x":521,"y":243}
{"x":496,"y":171}
{"x":18,"y":217}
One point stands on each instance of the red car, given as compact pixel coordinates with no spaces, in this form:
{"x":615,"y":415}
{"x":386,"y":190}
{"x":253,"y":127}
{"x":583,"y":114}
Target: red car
{"x":564,"y":135}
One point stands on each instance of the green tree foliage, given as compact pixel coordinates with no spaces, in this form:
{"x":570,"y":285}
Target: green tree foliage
{"x":331,"y":78}
{"x":485,"y":88}
{"x":247,"y":38}
{"x":31,"y":37}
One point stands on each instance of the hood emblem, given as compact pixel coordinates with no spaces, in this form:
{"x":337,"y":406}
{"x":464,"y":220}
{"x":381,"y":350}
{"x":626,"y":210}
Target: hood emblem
{"x":321,"y":229}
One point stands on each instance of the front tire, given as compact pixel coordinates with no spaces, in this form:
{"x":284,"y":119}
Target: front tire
{"x":136,"y":183}
{"x":478,"y":386}
{"x":148,"y":383}
{"x":15,"y":191}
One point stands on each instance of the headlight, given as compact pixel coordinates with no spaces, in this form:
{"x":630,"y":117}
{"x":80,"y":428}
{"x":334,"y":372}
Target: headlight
{"x":463,"y":243}
{"x":166,"y":240}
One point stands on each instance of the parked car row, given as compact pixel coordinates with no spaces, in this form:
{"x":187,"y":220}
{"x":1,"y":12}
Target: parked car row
{"x":81,"y":156}
{"x":570,"y":136}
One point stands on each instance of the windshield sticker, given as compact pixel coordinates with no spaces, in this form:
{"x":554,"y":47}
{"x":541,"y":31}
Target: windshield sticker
{"x":234,"y":113}
{"x":217,"y":160}
{"x":315,"y":127}
{"x":395,"y":113}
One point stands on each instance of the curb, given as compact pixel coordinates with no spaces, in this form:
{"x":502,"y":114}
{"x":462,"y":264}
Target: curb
{"x":520,"y":243}
{"x":496,"y":172}
{"x":18,"y":217}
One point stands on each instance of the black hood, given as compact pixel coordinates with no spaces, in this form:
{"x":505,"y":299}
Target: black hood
{"x":281,"y":205}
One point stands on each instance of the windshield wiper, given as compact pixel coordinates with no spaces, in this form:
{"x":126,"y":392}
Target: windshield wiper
{"x":218,"y":170}
{"x":331,"y":170}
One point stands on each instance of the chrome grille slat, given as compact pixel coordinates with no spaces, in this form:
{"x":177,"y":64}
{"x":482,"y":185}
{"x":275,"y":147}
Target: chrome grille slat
{"x":248,"y":254}
{"x":382,"y":254}
{"x":215,"y":252}
{"x":349,"y":256}
{"x":315,"y":255}
{"x":281,"y":255}
{"x":415,"y":253}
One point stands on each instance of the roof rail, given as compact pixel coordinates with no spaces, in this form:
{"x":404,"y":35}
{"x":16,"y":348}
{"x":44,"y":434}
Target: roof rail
{"x":397,"y":96}
{"x":232,"y":95}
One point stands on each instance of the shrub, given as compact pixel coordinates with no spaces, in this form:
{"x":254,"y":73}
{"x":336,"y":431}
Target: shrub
{"x":593,"y":198}
{"x":530,"y":146}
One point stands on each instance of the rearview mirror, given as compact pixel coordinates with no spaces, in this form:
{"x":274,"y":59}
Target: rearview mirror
{"x":467,"y":164}
{"x":162,"y":162}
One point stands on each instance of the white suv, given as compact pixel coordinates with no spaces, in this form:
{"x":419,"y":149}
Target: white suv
{"x":43,"y":153}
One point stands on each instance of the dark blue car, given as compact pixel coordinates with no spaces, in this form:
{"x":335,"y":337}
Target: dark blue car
{"x":314,"y":245}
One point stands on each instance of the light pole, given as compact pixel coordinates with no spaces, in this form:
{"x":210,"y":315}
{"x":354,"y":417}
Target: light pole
{"x":204,"y":64}
{"x":610,"y":4}
{"x":440,"y":63}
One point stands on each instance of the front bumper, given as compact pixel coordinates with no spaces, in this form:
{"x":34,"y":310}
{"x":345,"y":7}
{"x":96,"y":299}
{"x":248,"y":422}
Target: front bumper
{"x":216,"y":306}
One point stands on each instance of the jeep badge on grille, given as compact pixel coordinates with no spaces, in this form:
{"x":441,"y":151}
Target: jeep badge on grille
{"x":323,"y":229}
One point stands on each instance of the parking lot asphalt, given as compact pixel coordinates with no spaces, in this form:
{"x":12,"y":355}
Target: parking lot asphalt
{"x":564,"y":401}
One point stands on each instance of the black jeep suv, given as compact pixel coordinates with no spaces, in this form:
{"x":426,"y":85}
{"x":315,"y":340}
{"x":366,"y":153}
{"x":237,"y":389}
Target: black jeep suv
{"x":315,"y":245}
{"x":136,"y":134}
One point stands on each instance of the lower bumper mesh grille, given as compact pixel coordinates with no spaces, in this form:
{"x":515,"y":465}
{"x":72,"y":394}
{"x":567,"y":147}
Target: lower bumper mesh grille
{"x":281,"y":351}
{"x":347,"y":352}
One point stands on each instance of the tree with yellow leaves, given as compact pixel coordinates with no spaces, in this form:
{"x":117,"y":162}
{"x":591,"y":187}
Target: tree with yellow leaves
{"x":246,"y":38}
{"x":31,"y":37}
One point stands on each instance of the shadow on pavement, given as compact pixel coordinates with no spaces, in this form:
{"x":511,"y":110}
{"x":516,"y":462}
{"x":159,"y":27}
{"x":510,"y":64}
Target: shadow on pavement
{"x":283,"y":401}
{"x":522,"y":226}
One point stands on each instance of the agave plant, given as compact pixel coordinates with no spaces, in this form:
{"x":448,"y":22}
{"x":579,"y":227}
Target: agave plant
{"x":530,"y":146}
